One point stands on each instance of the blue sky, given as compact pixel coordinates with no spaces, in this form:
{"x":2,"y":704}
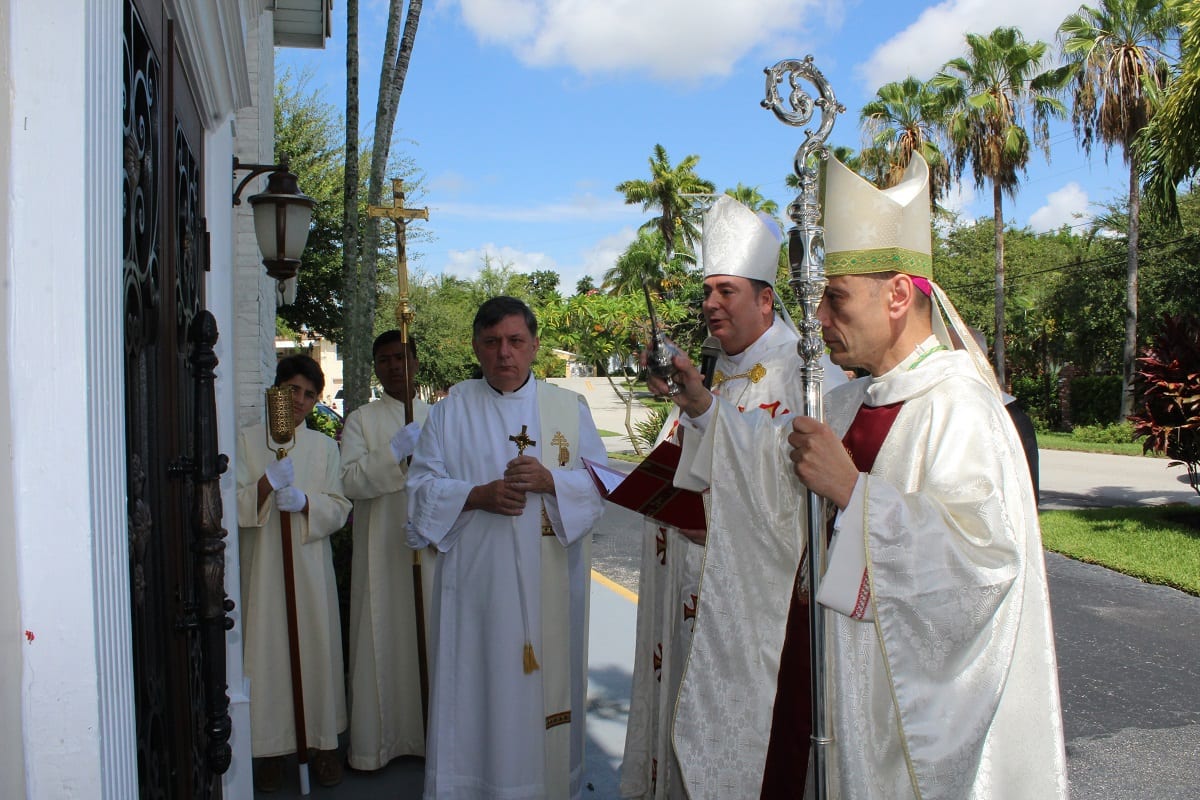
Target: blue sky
{"x":525,"y":114}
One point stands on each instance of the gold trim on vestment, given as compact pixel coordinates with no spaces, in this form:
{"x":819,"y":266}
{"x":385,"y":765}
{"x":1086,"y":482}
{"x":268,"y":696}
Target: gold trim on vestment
{"x":561,"y":718}
{"x":755,"y":374}
{"x":884,"y":259}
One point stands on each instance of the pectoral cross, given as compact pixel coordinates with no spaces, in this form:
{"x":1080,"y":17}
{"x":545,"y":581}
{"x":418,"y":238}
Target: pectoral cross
{"x":522,"y":439}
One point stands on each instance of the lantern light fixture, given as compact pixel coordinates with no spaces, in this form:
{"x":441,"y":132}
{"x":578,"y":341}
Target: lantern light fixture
{"x":282,"y":215}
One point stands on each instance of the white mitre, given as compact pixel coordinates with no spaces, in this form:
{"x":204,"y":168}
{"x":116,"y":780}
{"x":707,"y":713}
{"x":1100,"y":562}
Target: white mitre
{"x":868,"y":229}
{"x":737,"y":241}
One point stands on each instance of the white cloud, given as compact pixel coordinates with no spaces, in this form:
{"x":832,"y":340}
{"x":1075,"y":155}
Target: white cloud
{"x":669,"y":39}
{"x":469,"y":263}
{"x":582,"y":208}
{"x":1067,"y":206}
{"x":937,"y":35}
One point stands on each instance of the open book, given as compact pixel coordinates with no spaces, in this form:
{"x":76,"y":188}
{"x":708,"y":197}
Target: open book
{"x":649,"y":489}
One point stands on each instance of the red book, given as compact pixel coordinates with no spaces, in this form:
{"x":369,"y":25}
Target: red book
{"x":649,"y":490}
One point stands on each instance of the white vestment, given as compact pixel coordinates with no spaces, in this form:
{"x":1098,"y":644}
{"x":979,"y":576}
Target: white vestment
{"x":491,"y":734}
{"x":943,"y":684}
{"x":264,"y":612}
{"x":764,"y":377}
{"x":385,"y":687}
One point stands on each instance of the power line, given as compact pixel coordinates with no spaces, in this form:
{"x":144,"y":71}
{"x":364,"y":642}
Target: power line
{"x":1106,"y":260}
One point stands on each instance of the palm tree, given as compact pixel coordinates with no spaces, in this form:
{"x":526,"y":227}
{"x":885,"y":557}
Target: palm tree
{"x":1169,"y":150}
{"x":1116,"y":54}
{"x":667,"y":191}
{"x":987,"y":95}
{"x":752,"y":198}
{"x":642,"y":262}
{"x":904,"y":118}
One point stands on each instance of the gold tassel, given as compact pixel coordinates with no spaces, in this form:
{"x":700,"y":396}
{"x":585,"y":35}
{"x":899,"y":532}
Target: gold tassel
{"x":530,"y":661}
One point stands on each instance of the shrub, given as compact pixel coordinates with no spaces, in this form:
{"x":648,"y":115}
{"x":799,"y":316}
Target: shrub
{"x":646,"y":430}
{"x":1167,"y":392}
{"x":1113,"y":433}
{"x":1095,"y":399}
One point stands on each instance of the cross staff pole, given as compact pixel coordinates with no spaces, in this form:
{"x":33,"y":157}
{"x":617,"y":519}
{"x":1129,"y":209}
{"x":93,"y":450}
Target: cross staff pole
{"x":806,"y":257}
{"x":400,"y":215}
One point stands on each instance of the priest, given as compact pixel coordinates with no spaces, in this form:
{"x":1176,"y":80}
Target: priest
{"x":497,"y":486}
{"x":940,"y":660}
{"x":757,"y":369}
{"x":386,"y":718}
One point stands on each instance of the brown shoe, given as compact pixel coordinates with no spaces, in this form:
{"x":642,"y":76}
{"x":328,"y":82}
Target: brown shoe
{"x":268,"y":774}
{"x":327,"y":767}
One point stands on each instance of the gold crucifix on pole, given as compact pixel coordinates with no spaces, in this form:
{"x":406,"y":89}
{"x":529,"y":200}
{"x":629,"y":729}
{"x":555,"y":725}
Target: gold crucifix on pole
{"x":400,"y":215}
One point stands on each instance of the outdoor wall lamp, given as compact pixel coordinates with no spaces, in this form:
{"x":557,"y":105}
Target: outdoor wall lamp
{"x":281,"y":216}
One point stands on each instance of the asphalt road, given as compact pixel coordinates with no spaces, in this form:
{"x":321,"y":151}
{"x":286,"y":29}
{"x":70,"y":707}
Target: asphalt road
{"x":1128,"y":652}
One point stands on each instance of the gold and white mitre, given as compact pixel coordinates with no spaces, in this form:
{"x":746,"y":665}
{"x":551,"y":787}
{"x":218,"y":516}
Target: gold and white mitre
{"x":868,"y":229}
{"x":737,"y":241}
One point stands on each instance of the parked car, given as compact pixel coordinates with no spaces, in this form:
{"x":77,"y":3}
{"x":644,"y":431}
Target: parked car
{"x":338,"y":403}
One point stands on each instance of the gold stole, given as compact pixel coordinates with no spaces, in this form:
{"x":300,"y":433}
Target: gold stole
{"x":559,"y":412}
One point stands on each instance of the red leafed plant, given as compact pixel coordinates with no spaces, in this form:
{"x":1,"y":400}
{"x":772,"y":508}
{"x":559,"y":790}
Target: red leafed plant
{"x":1167,"y":388}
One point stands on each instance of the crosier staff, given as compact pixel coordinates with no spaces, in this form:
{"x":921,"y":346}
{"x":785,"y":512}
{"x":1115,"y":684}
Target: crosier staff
{"x":806,"y":258}
{"x":281,"y":430}
{"x":404,"y":318}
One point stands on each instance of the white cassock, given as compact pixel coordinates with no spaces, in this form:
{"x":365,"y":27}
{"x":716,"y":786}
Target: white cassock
{"x":763,"y":377}
{"x":264,"y":612}
{"x":385,"y":686}
{"x":941,"y":669}
{"x":494,"y":731}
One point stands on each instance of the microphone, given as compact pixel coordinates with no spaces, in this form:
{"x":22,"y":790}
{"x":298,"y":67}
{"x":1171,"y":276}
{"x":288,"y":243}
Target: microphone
{"x":709,"y":352}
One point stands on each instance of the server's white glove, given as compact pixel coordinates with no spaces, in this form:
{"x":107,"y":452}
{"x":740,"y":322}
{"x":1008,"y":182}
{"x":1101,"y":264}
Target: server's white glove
{"x":289,"y":498}
{"x":281,"y":473}
{"x":405,"y":441}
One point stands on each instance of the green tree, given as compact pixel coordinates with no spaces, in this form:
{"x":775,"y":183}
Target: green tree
{"x":1117,"y":55}
{"x":307,"y":130}
{"x":362,"y":278}
{"x":904,"y":118}
{"x":667,"y":192}
{"x":603,"y":329}
{"x":988,"y":93}
{"x":585,"y":284}
{"x":753,"y":199}
{"x":1169,"y":150}
{"x":642,"y":261}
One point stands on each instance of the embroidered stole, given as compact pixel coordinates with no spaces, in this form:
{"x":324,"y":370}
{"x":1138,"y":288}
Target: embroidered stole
{"x":559,"y":412}
{"x":789,"y":748}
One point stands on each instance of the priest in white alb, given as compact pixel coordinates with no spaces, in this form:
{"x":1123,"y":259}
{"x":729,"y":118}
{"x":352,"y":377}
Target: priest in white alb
{"x":939,"y":655}
{"x":757,"y":369}
{"x":497,"y":486}
{"x":386,"y":718}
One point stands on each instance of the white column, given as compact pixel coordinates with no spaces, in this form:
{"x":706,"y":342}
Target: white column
{"x":64,"y":348}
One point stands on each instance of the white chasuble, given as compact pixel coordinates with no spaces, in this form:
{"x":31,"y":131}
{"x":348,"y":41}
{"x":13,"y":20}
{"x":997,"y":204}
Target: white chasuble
{"x":765,"y":378}
{"x":264,"y":618}
{"x":385,"y":687}
{"x":492,"y":733}
{"x":947,"y":686}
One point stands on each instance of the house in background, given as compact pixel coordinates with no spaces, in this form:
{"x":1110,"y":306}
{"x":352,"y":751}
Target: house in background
{"x":139,"y":335}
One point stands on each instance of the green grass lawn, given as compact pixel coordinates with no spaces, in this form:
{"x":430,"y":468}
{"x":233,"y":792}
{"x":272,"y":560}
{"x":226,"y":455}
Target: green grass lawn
{"x":1065,"y":441}
{"x":1157,"y":544}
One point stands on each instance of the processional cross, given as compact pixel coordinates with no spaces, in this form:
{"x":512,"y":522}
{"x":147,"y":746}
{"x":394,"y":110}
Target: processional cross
{"x":400,"y":215}
{"x":522,"y":439}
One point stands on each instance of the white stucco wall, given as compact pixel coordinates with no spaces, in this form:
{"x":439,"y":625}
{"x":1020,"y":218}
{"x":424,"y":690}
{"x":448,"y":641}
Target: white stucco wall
{"x":254,"y":291}
{"x":62,"y":336}
{"x":12,"y":773}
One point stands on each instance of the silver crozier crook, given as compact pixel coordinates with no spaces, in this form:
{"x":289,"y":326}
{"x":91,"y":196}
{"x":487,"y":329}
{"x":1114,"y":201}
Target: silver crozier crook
{"x":806,"y":258}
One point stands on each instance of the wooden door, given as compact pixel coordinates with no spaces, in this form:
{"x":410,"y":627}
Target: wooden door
{"x":176,"y":553}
